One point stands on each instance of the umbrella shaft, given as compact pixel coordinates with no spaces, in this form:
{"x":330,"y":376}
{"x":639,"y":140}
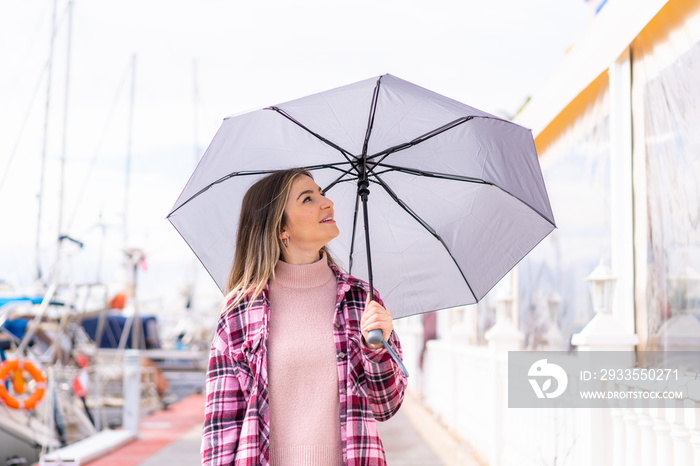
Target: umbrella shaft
{"x":375,"y":335}
{"x":363,"y":190}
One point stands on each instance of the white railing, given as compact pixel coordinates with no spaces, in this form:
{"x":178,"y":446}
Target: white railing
{"x":466,"y":389}
{"x":457,"y":390}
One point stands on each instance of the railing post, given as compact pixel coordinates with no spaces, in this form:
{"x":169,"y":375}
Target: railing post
{"x":692,"y":410}
{"x":618,"y":439}
{"x":631,"y":436}
{"x":662,"y":431}
{"x":502,"y":337}
{"x":679,"y":434}
{"x":132,"y":390}
{"x":647,"y":438}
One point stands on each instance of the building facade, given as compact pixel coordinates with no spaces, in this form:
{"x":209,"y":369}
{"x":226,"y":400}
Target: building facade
{"x":618,"y":134}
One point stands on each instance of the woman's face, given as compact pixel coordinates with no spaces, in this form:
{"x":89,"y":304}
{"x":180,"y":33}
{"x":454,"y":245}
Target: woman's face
{"x":309,"y":217}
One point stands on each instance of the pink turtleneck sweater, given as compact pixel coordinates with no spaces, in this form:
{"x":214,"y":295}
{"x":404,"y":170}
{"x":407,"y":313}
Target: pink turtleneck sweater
{"x":302,"y":370}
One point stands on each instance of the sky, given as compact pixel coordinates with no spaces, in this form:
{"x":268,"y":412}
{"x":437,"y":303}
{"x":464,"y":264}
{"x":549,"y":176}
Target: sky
{"x":147,"y":83}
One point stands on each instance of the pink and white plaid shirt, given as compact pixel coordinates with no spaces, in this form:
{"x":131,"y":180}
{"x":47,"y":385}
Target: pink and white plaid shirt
{"x":237,"y":418}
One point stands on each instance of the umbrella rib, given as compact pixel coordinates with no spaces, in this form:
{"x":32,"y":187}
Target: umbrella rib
{"x":340,"y":180}
{"x":430,"y":134}
{"x":220,"y":180}
{"x":194,"y":252}
{"x":345,"y":153}
{"x":372,"y":112}
{"x":428,"y":174}
{"x":255,"y":172}
{"x":425,"y":225}
{"x":466,"y":179}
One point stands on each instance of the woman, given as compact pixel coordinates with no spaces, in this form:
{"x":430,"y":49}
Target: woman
{"x":292,"y":379}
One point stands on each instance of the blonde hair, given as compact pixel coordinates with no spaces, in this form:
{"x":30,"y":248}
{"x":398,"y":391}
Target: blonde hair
{"x":258,"y":244}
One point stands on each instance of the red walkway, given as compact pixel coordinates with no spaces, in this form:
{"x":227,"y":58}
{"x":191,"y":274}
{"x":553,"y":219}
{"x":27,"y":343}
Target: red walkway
{"x":157,"y":431}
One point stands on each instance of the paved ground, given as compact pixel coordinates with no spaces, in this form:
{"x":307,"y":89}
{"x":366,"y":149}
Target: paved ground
{"x":172,"y":438}
{"x":403,"y":445}
{"x":183,"y":452}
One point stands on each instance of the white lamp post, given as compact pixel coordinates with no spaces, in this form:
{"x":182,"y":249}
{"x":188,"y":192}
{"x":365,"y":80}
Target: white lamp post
{"x":602,"y":286}
{"x":553,"y":302}
{"x":682,"y":330}
{"x":603,"y":332}
{"x":503,"y":307}
{"x":685,"y":290}
{"x":504,"y":336}
{"x":553,"y":337}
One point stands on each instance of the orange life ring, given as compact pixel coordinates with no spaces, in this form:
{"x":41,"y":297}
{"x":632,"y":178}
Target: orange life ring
{"x":15,"y":367}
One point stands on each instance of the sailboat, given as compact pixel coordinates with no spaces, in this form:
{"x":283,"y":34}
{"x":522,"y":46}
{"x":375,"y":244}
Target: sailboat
{"x":60,"y":386}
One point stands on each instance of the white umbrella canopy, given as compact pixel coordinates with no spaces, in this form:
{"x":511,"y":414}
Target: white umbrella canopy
{"x":456,"y":196}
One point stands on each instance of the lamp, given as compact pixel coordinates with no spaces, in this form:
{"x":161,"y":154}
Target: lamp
{"x":553,"y":303}
{"x":602,"y":286}
{"x":553,"y":337}
{"x":685,"y":290}
{"x":504,"y":307}
{"x":603,"y":332}
{"x":682,"y":331}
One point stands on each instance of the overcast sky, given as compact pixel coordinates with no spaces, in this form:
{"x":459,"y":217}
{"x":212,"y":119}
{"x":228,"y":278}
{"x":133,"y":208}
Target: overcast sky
{"x":191,"y":63}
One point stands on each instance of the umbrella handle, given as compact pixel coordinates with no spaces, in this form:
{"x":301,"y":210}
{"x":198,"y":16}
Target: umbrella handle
{"x":374,"y":337}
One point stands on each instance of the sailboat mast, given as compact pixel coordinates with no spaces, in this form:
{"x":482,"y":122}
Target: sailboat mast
{"x":195,"y":85}
{"x":195,"y":135}
{"x":135,"y":256}
{"x":42,"y":171}
{"x":128,"y":151}
{"x":61,"y":196}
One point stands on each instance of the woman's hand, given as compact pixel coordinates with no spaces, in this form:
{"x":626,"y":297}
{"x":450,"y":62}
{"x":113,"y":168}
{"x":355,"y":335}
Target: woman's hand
{"x":375,"y":316}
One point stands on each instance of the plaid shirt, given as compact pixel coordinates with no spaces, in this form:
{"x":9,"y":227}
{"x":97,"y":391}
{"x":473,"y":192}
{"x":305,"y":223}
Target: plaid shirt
{"x":237,"y":417}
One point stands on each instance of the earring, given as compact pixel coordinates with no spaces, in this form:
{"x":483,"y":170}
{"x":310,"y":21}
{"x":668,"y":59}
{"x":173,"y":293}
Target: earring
{"x":285,"y":242}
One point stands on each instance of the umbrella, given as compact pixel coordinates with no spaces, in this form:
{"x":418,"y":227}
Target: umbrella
{"x":451,"y":197}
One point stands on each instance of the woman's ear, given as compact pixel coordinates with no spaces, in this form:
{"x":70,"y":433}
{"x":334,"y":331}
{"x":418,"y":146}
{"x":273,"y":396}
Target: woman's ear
{"x":284,"y":239}
{"x":284,"y":236}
